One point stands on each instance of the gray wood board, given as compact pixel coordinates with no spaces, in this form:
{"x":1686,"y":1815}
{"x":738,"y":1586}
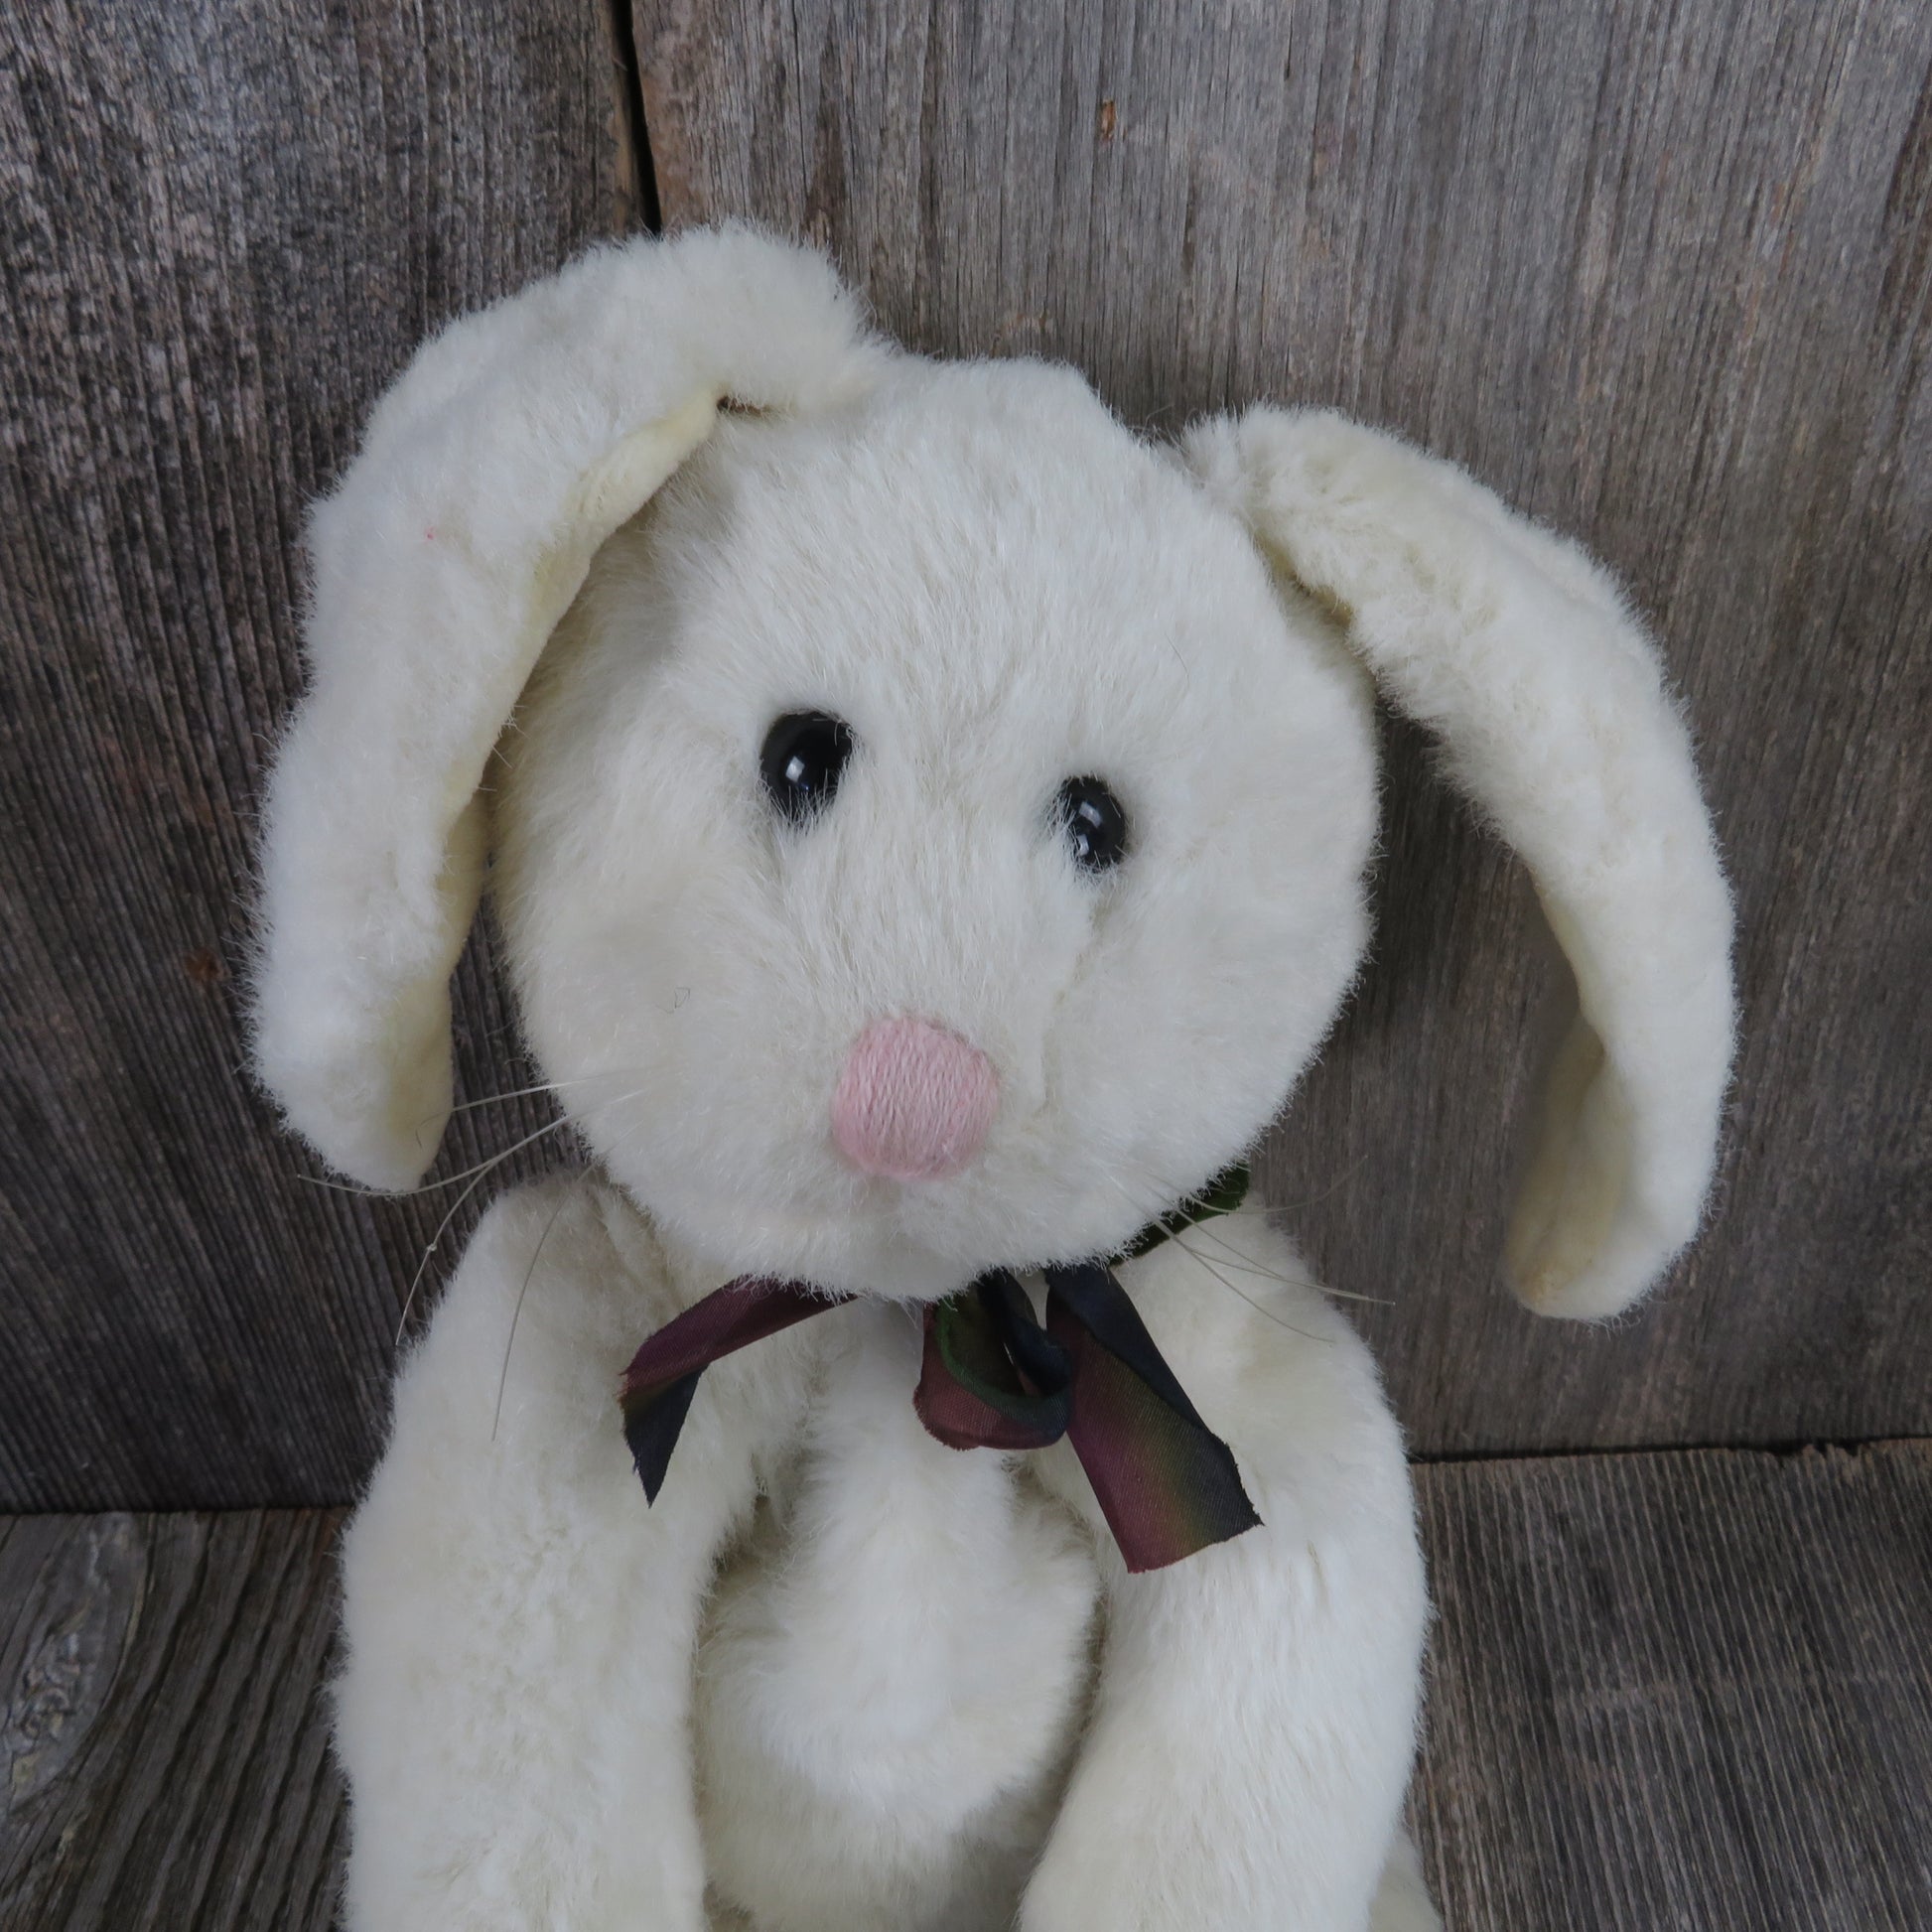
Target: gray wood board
{"x":1681,"y":1689}
{"x":1662,"y":275}
{"x":222,"y":231}
{"x":162,"y":1738}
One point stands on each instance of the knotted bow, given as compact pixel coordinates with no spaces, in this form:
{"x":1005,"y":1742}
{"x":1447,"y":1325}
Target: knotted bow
{"x":993,"y":1377}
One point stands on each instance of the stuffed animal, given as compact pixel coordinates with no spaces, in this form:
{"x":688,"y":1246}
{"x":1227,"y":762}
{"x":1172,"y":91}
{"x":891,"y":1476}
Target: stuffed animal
{"x":927,"y":825}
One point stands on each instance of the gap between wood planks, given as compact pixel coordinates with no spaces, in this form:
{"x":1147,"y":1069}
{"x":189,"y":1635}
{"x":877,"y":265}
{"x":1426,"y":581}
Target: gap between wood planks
{"x":1661,"y":1692}
{"x":637,"y":204}
{"x":1784,"y":1450}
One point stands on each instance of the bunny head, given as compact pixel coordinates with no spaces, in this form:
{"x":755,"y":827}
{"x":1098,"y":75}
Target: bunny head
{"x":928,"y":822}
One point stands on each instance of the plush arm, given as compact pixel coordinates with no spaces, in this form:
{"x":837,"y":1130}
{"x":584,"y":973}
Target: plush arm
{"x":513,"y":1715}
{"x":1254,"y":1719}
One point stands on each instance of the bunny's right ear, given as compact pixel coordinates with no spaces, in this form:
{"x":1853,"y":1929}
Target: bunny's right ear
{"x":514,"y":443}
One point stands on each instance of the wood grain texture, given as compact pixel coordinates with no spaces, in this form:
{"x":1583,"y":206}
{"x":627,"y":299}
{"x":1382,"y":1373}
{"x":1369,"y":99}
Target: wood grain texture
{"x":1685,"y":1689}
{"x":1681,"y":1690}
{"x":222,"y":231}
{"x":1660,"y":273}
{"x":162,"y":1738}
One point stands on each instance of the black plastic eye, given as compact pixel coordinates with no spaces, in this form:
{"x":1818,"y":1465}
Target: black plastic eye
{"x":805,"y":754}
{"x":1095,"y":823}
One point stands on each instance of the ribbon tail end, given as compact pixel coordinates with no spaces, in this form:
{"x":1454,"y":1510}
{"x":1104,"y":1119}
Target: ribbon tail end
{"x":651,"y":1426}
{"x":1140,"y":1561}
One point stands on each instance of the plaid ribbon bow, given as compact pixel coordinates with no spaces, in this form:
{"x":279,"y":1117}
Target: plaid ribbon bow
{"x":995,"y":1377}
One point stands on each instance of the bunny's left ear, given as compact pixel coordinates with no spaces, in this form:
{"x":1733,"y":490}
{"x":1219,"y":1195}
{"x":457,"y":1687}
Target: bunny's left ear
{"x":514,"y":443}
{"x":1548,"y":702}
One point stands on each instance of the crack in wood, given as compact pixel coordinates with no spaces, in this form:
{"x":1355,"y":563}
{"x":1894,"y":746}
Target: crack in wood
{"x":637,"y":174}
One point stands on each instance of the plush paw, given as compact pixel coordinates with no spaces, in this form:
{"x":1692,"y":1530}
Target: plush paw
{"x":1192,"y":1888}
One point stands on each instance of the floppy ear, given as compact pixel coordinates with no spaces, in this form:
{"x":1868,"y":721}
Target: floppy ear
{"x":1550,"y":705}
{"x":512,"y":446}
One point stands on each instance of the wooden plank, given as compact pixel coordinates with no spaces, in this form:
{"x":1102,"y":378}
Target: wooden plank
{"x":1681,"y":1690}
{"x":164,"y":1744}
{"x":1661,"y":275}
{"x":1691,"y":1688}
{"x":223,"y":229}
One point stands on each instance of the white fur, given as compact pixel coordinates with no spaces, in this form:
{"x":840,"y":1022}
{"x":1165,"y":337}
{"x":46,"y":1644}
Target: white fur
{"x":840,"y":1677}
{"x":998,"y":589}
{"x":513,"y":444}
{"x":1550,"y":702}
{"x":908,"y":1650}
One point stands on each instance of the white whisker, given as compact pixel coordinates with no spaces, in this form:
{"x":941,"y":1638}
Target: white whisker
{"x":1267,"y":1314}
{"x":516,"y":1315}
{"x":1335,"y":1187}
{"x":1204,"y":1230}
{"x":455,"y":1207}
{"x":478,"y":1172}
{"x":451,"y":1180}
{"x":542,"y":1086}
{"x":1234,"y":1259}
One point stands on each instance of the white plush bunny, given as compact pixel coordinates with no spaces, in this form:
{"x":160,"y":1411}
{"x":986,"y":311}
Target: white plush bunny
{"x":928,"y":828}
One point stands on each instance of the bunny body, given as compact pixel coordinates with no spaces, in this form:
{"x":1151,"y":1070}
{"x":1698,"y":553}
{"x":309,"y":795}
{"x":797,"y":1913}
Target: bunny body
{"x":903,"y":1645}
{"x":904,"y":1027}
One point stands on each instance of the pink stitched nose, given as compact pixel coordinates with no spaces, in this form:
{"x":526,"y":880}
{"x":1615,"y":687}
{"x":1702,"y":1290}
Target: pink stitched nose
{"x":913,"y":1102}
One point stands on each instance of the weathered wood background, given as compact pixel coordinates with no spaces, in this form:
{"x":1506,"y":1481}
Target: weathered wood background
{"x":1661,"y":273}
{"x":1647,"y":1706}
